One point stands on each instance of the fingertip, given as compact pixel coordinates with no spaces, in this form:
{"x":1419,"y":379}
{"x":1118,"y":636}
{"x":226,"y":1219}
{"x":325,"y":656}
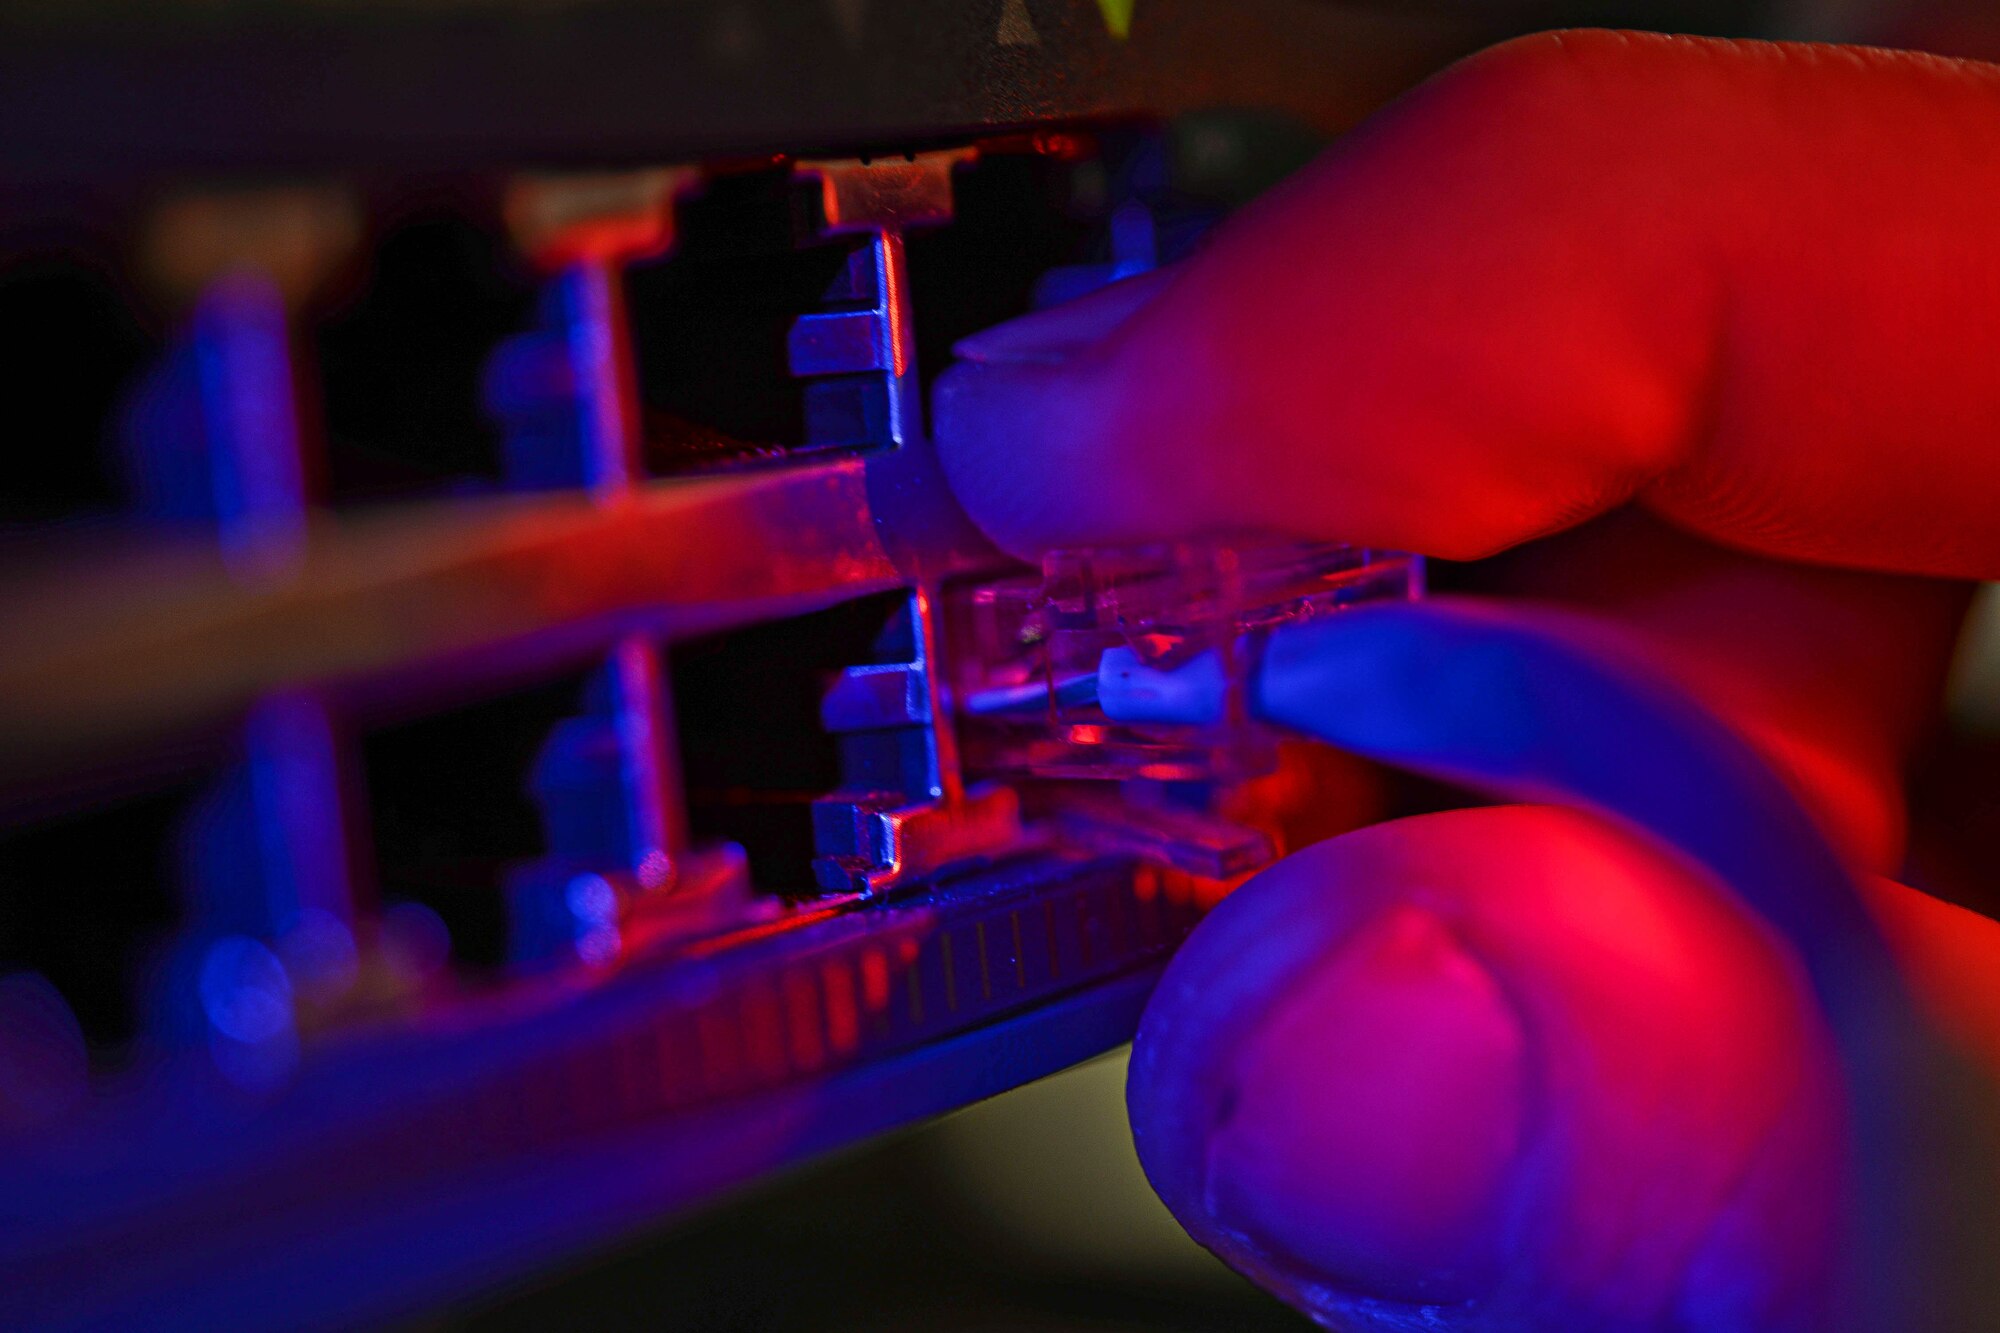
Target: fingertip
{"x":1022,"y":431}
{"x":1372,"y":1120}
{"x":979,"y":421}
{"x":1491,"y":1064}
{"x":1040,"y":455}
{"x":1329,"y":1091}
{"x":1059,"y":332}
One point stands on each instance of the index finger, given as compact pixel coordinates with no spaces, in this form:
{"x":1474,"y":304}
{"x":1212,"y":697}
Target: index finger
{"x":1752,"y":286}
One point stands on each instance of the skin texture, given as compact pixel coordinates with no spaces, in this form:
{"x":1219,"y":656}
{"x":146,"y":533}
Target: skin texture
{"x":1556,"y":1077}
{"x":1746,"y":284}
{"x":1512,"y":1067}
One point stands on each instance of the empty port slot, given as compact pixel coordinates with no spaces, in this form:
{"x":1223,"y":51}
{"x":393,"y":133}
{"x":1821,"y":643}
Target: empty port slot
{"x":1025,"y":208}
{"x":87,"y":901}
{"x":401,"y":352}
{"x":1015,"y":216}
{"x":754,"y":756}
{"x":710,"y":323}
{"x":452,"y":813}
{"x":71,"y":342}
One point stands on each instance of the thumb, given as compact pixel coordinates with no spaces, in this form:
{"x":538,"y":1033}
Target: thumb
{"x":1520,"y":704}
{"x":1499,"y":1067}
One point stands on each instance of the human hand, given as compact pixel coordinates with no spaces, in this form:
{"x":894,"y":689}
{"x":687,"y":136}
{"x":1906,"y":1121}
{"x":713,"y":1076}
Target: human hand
{"x":1519,"y":1066}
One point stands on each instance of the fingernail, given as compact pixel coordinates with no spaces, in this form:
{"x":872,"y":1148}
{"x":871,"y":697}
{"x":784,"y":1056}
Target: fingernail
{"x":1032,"y":453}
{"x":1061,"y":331}
{"x":984,"y":418}
{"x":1376,"y":1117}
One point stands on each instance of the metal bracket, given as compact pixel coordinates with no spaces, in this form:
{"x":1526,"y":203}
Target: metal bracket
{"x":862,"y":356}
{"x":608,"y":781}
{"x":871,"y":844}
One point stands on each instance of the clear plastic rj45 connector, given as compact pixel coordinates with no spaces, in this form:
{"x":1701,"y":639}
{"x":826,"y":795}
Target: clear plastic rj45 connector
{"x":1026,"y":650}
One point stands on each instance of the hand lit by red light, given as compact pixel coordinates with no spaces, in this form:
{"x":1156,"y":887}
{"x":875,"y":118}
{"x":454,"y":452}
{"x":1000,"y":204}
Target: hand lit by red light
{"x":1511,"y":1067}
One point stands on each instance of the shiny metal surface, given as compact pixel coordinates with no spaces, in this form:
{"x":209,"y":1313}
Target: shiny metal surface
{"x":160,"y":640}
